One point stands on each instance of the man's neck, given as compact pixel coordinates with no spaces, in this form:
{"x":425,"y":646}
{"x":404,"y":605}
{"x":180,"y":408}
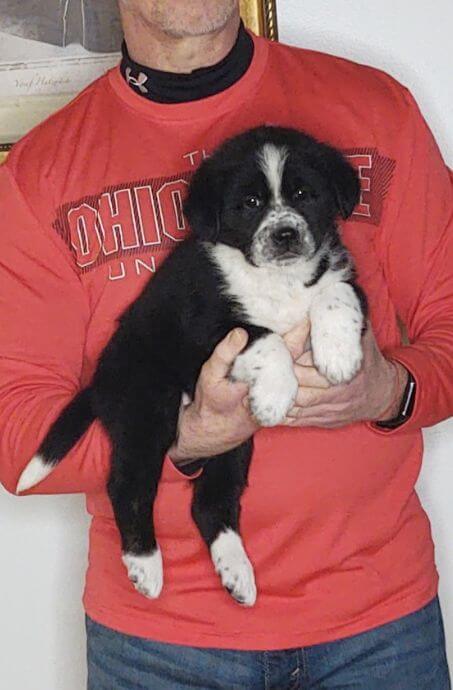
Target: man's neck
{"x":153,"y":48}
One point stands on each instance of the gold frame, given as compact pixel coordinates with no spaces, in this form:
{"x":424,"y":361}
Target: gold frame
{"x":259,"y":15}
{"x":4,"y":148}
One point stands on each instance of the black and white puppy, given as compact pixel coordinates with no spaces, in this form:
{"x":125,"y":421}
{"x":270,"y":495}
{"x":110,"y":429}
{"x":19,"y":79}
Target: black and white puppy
{"x":264,"y":254}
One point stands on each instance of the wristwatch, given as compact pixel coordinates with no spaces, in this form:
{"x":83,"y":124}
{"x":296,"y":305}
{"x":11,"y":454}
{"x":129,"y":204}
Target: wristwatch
{"x":406,"y":407}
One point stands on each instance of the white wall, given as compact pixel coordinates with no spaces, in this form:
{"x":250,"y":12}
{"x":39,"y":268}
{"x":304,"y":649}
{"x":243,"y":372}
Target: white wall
{"x":43,"y":539}
{"x":409,"y":39}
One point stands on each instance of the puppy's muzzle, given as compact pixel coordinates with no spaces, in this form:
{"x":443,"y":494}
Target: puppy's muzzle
{"x":286,"y":238}
{"x":283,"y":237}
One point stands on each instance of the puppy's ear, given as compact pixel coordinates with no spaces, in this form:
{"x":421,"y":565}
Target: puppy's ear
{"x":344,"y":181}
{"x":203,"y":204}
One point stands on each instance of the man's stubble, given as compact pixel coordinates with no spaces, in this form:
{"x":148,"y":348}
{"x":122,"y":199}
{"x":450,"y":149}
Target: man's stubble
{"x":184,"y":18}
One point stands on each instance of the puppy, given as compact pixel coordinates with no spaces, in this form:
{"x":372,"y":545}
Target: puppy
{"x":264,"y":254}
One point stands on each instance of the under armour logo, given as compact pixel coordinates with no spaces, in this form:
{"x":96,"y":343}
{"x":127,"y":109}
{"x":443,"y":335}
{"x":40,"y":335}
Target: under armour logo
{"x":139,"y":82}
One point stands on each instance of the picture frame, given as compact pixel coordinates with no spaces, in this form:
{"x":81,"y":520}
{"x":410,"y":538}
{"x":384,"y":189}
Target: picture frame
{"x":261,"y":17}
{"x":42,"y":69}
{"x":4,"y":148}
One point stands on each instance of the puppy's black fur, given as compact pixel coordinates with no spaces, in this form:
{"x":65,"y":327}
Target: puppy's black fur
{"x":167,"y":334}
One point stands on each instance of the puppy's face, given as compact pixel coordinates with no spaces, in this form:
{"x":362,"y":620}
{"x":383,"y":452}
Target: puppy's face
{"x":273,"y":193}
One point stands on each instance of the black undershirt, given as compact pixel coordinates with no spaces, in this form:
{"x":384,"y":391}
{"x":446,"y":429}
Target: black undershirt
{"x":172,"y":87}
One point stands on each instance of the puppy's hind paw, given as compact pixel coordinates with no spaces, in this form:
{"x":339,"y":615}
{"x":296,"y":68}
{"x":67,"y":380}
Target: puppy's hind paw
{"x":233,"y":567}
{"x":272,"y":397}
{"x":145,"y":572}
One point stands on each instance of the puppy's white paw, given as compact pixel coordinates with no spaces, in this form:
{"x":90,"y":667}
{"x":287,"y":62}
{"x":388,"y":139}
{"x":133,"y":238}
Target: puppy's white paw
{"x":146,"y":572}
{"x":271,"y":397}
{"x":267,"y":367}
{"x":338,"y":359}
{"x":233,"y":567}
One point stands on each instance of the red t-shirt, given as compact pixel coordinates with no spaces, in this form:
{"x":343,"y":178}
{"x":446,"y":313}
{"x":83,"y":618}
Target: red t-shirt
{"x":90,"y":205}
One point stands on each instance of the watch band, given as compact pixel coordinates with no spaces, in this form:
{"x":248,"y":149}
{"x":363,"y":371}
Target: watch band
{"x":192,"y":467}
{"x":406,"y":407}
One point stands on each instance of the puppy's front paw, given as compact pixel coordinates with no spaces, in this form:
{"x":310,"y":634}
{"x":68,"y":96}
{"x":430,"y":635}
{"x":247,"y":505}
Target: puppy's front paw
{"x":338,"y":359}
{"x":271,"y":397}
{"x":233,"y":567}
{"x":146,"y":572}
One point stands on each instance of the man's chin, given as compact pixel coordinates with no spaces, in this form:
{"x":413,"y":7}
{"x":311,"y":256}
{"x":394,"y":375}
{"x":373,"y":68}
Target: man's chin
{"x":212,"y":18}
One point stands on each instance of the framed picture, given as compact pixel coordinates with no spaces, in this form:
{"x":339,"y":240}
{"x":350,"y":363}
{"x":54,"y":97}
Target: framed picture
{"x":51,"y":49}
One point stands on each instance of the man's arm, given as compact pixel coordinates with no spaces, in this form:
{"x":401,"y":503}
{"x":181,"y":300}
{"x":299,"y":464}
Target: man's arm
{"x":416,"y":251}
{"x":44,"y":314}
{"x":217,"y":420}
{"x":416,"y":248}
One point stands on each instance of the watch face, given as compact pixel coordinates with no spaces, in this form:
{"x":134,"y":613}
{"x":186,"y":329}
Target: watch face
{"x":409,"y":399}
{"x":406,"y":407}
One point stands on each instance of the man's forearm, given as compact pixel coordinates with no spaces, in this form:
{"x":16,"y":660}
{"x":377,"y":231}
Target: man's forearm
{"x":205,"y":435}
{"x":401,"y":378}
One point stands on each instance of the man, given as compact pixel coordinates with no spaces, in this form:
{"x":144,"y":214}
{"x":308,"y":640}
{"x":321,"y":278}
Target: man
{"x":340,"y":544}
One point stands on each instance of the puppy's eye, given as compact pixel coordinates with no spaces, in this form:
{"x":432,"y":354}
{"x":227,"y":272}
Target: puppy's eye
{"x":302,"y":194}
{"x":253,"y":201}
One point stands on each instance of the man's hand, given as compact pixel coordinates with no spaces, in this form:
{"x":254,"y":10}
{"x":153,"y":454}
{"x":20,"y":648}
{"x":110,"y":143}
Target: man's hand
{"x":219,"y":419}
{"x":216,"y":420}
{"x":373,"y":395}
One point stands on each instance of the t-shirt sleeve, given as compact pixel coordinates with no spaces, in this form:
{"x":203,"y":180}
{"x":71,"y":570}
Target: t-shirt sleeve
{"x":44,"y":313}
{"x":416,"y":247}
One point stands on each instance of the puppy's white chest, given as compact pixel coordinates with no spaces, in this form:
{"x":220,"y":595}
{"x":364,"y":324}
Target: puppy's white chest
{"x":276,"y":304}
{"x":275,"y":298}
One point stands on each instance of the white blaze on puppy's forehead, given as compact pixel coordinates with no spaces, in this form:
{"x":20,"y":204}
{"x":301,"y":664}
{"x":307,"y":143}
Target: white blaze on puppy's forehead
{"x":272,"y":161}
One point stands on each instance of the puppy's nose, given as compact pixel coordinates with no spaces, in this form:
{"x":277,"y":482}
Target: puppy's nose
{"x":283,"y":236}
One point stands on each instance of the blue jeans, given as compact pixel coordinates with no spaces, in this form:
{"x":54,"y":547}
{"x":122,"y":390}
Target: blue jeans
{"x":407,"y":654}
